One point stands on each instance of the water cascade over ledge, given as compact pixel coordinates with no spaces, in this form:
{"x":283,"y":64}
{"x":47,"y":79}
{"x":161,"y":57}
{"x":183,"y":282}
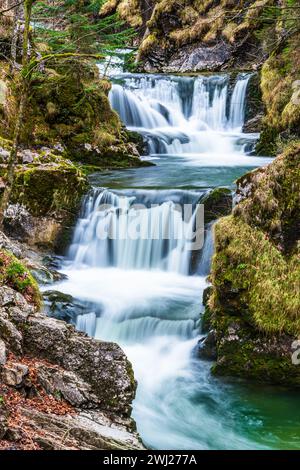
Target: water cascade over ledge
{"x":182,"y":114}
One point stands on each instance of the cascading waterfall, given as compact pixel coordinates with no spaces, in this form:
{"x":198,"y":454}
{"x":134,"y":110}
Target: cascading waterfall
{"x":181,"y":114}
{"x":130,"y":233}
{"x":144,"y":291}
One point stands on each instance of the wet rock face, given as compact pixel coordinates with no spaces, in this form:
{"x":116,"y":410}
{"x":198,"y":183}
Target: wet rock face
{"x":254,"y":125}
{"x":45,"y":360}
{"x":244,"y":352}
{"x":192,"y":58}
{"x":207,"y":348}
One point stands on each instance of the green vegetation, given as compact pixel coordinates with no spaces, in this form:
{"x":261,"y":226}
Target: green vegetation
{"x":170,"y":24}
{"x":54,"y":93}
{"x":45,"y":190}
{"x":254,"y":306}
{"x":15,"y":275}
{"x":274,"y":205}
{"x":280,"y":88}
{"x":262,"y":281}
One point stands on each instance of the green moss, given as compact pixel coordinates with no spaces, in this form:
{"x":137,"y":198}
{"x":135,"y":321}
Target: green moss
{"x":243,"y":360}
{"x":206,"y":320}
{"x":69,"y":104}
{"x":274,"y":207}
{"x":14,"y":274}
{"x":49,"y":189}
{"x":5,"y":143}
{"x":217,"y":203}
{"x":242,"y":292}
{"x":279,"y":75}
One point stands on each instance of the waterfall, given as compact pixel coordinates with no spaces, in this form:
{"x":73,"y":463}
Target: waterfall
{"x":181,"y":114}
{"x":237,"y":104}
{"x":130,"y":264}
{"x":207,"y":252}
{"x":135,"y":232}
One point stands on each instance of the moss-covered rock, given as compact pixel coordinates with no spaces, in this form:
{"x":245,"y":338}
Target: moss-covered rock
{"x":255,"y":108}
{"x":246,"y":353}
{"x":269,"y":199}
{"x":44,"y":202}
{"x":255,"y":303}
{"x":280,"y":91}
{"x":49,"y":188}
{"x":217,"y":203}
{"x":69,"y":104}
{"x":14,"y":274}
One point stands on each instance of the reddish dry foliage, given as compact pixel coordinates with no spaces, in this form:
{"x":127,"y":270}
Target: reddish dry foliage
{"x":15,"y":400}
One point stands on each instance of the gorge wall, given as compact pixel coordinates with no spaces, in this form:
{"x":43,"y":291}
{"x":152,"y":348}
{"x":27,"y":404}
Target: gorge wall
{"x":192,"y":35}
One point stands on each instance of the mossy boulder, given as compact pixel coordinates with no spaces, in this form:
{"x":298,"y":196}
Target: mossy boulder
{"x":246,"y":353}
{"x":254,"y":305}
{"x":44,"y":203}
{"x":49,"y":188}
{"x":269,"y":199}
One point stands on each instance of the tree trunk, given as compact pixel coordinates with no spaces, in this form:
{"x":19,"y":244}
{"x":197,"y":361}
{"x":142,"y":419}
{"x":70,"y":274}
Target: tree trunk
{"x":16,"y":34}
{"x":13,"y":157}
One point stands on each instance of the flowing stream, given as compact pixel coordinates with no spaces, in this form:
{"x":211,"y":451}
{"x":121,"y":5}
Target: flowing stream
{"x":144,"y":291}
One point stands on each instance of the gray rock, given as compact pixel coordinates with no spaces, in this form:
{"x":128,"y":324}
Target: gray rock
{"x":45,"y":276}
{"x":14,"y":374}
{"x":4,"y":155}
{"x":101,"y":365}
{"x":2,"y":353}
{"x":89,"y":374}
{"x":7,"y":244}
{"x":58,"y":147}
{"x":10,"y":334}
{"x":64,"y":306}
{"x":84,"y":430}
{"x":67,"y":384}
{"x":21,"y":225}
{"x":27,"y":156}
{"x":190,"y":58}
{"x":254,"y":125}
{"x":3,"y":421}
{"x":208,"y":347}
{"x":10,"y":297}
{"x":19,"y":315}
